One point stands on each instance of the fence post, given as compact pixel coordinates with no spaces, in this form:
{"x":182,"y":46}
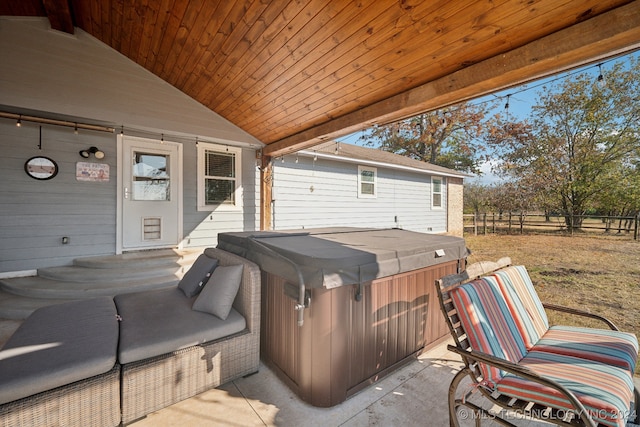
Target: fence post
{"x":494,"y":222}
{"x":635,"y":227}
{"x":484,"y":222}
{"x":521,"y":222}
{"x":475,"y":223}
{"x":509,"y":222}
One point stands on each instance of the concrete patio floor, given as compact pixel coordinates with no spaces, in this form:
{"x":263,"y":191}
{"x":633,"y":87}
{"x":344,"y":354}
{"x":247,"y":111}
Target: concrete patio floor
{"x":414,"y":395}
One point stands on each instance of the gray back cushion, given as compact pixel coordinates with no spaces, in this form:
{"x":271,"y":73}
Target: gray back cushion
{"x":194,"y":280}
{"x":220,"y":291}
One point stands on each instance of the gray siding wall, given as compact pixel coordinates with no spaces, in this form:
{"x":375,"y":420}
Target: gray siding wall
{"x":78,"y":78}
{"x":35,"y":215}
{"x":201,"y":228}
{"x":324,"y":193}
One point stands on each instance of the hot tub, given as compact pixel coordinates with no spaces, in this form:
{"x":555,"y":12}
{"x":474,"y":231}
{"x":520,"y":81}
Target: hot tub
{"x":342,"y":307}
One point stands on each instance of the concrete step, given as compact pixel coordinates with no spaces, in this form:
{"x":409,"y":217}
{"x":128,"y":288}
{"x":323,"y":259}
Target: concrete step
{"x":92,"y":277}
{"x":117,"y":276}
{"x":142,"y":259}
{"x":17,"y":307}
{"x":41,"y":287}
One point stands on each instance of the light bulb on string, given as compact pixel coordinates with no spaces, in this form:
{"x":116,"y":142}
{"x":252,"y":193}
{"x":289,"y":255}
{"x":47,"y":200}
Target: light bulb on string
{"x":601,"y":80}
{"x":506,"y":107}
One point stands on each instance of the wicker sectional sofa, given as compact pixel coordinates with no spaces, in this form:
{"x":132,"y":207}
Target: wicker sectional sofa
{"x":87,"y":363}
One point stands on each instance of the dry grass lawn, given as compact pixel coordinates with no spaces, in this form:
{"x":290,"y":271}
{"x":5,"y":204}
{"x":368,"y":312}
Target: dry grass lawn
{"x":597,"y":274}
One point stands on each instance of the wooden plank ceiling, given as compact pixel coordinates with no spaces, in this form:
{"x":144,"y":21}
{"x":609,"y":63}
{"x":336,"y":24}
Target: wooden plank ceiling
{"x":296,"y":72}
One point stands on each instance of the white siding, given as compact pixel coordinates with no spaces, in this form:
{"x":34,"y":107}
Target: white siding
{"x":324,"y":193}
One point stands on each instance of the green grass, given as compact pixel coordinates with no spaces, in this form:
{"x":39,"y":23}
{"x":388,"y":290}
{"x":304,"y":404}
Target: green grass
{"x":597,"y":274}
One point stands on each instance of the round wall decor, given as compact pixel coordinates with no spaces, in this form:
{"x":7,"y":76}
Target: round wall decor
{"x":40,"y":167}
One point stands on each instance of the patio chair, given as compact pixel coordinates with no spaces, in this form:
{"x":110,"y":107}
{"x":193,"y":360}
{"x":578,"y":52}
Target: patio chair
{"x":569,"y":376}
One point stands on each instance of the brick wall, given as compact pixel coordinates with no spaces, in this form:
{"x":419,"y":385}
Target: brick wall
{"x":454,"y":206}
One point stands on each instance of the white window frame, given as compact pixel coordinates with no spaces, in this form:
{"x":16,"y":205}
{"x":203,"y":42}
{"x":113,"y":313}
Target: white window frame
{"x":434,"y":192}
{"x":375,"y":182}
{"x":203,"y":147}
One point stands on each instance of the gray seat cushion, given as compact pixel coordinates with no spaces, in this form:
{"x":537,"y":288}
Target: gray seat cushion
{"x":158,"y":322}
{"x":58,"y":345}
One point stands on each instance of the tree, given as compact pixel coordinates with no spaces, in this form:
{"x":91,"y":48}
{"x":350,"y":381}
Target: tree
{"x":448,"y":137}
{"x":477,"y":198}
{"x":581,"y":131}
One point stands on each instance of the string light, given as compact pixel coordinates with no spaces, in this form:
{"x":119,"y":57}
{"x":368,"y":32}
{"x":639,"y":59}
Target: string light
{"x":601,"y":81}
{"x":19,"y":122}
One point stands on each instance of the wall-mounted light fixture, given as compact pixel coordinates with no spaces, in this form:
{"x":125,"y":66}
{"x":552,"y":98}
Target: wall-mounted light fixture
{"x":92,"y":150}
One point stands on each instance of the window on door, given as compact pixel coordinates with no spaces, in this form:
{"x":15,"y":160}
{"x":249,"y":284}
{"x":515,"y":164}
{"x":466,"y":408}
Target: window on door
{"x":218,"y":177}
{"x":150,"y":177}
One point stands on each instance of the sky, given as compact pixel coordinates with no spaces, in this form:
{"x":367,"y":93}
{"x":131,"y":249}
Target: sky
{"x":521,"y":100}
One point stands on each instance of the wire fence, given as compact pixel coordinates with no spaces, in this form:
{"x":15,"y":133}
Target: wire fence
{"x":527,"y":223}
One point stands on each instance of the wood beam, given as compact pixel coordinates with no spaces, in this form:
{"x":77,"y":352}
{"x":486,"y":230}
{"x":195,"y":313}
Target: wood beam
{"x":59,"y":14}
{"x":606,"y":35}
{"x":266,"y":192}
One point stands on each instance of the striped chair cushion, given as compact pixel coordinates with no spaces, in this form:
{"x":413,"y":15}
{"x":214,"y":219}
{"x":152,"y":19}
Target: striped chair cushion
{"x":524,"y":303}
{"x":485,"y":317}
{"x":605,"y":391}
{"x":602,"y":345}
{"x":612,"y":347}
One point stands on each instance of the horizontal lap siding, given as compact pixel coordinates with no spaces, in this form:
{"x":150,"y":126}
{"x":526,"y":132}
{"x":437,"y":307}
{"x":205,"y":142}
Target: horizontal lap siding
{"x":80,"y":78}
{"x":201,"y":228}
{"x":35,"y":215}
{"x":334,"y":200}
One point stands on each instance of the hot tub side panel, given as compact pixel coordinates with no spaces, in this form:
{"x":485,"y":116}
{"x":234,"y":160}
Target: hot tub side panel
{"x":345,"y":344}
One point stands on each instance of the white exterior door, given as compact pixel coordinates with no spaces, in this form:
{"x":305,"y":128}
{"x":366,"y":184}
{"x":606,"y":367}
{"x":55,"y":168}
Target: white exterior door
{"x":150,"y":193}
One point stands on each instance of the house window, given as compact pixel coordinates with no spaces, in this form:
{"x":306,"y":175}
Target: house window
{"x":436,"y":192}
{"x":367,"y":178}
{"x":218,"y":177}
